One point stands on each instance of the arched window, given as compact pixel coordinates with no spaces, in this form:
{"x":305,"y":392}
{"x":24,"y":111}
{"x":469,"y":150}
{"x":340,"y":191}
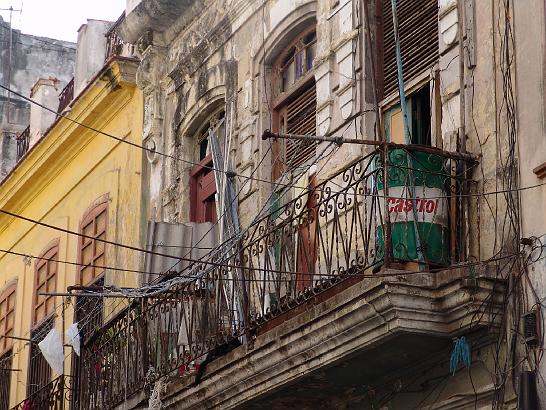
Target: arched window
{"x":92,"y":251}
{"x":45,"y":281}
{"x":7,"y":315}
{"x":89,"y":312}
{"x":43,"y":316}
{"x":202,"y":180}
{"x":295,"y":102}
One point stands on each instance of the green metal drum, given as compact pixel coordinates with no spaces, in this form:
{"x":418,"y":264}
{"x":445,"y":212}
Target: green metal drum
{"x":417,"y":206}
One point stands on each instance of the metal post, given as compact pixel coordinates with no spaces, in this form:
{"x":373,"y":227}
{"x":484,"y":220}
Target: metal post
{"x":387,"y":257}
{"x":338,"y":140}
{"x":462,"y":134}
{"x":61,"y":379}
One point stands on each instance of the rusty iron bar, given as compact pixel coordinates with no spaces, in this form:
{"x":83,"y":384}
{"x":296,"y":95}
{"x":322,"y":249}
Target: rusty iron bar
{"x":84,"y":295}
{"x":267,"y":134}
{"x":51,"y":396}
{"x":24,"y":339}
{"x":66,"y":96}
{"x":23,"y":143}
{"x":387,"y":235}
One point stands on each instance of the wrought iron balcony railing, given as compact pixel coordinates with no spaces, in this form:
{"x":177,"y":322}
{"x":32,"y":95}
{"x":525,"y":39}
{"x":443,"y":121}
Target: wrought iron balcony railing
{"x":115,"y":46}
{"x":52,"y":396}
{"x":350,"y":224}
{"x":66,"y":96}
{"x":23,"y":143}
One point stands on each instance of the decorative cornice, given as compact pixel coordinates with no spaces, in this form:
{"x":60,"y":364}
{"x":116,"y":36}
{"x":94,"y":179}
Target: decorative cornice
{"x":110,"y":91}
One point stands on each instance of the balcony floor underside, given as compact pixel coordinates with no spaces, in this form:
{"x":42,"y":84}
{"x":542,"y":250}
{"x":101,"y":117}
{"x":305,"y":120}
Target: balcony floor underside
{"x":352,"y":339}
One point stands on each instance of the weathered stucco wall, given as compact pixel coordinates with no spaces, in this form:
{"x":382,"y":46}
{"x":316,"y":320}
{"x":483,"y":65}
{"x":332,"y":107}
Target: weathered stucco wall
{"x":65,"y":174}
{"x":220,"y":52}
{"x":31,"y":58}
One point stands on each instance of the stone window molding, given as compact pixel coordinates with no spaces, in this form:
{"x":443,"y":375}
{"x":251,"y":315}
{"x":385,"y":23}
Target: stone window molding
{"x":294,"y":101}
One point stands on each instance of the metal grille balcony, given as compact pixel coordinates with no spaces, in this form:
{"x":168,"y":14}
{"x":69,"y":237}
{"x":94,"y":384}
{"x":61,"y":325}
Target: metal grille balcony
{"x":66,"y":96}
{"x":23,"y":142}
{"x":115,"y":46}
{"x":51,"y":396}
{"x":5,"y":379}
{"x":312,"y":242}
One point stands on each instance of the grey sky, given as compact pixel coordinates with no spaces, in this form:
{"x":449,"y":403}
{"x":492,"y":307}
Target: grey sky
{"x":59,"y":19}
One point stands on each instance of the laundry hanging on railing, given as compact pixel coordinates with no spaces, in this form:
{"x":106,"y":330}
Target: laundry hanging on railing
{"x":74,"y":337}
{"x":52,"y":350}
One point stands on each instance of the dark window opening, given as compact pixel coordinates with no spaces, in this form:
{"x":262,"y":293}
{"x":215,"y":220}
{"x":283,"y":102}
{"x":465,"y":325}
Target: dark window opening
{"x":420,"y":115}
{"x":89,"y":314}
{"x":202,"y":178}
{"x":39,"y":372}
{"x":419,"y":119}
{"x":203,"y":146}
{"x":297,"y":61}
{"x":5,"y":380}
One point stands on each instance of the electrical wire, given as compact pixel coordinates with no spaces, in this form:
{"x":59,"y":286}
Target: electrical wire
{"x":152,"y":150}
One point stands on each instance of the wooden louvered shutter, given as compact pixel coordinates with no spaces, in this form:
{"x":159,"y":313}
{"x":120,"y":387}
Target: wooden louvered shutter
{"x":418,"y":29}
{"x":299,"y":117}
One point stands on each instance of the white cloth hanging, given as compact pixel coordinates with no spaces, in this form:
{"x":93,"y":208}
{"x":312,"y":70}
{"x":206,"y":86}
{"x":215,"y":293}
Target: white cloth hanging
{"x":74,"y":337}
{"x":52,"y":350}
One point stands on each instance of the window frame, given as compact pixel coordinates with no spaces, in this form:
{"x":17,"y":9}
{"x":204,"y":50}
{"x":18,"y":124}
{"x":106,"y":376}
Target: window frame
{"x":201,"y":171}
{"x":282,"y":98}
{"x":90,"y":216}
{"x":430,"y":78}
{"x":50,"y":253}
{"x":10,"y":289}
{"x":280,"y":95}
{"x":38,"y":368}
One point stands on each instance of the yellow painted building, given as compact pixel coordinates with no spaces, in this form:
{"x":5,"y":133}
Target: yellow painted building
{"x":77,"y":180}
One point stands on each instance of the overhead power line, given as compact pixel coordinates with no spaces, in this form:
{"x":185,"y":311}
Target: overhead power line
{"x":232,"y":173}
{"x":150,"y":150}
{"x":105,"y":241}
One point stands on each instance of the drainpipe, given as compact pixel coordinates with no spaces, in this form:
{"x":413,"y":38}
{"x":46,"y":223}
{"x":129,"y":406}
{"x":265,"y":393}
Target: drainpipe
{"x":462,"y":114}
{"x":462,"y":126}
